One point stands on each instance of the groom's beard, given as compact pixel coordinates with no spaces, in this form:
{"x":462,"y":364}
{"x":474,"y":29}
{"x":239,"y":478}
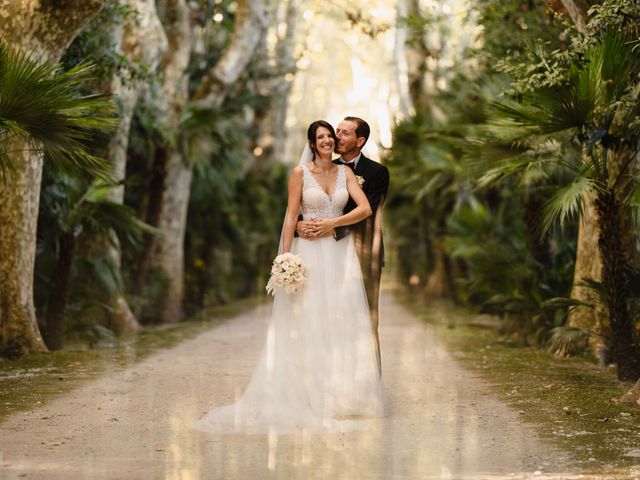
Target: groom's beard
{"x":342,"y":151}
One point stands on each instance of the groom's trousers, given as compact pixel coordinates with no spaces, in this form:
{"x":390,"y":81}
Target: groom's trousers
{"x":368,"y":242}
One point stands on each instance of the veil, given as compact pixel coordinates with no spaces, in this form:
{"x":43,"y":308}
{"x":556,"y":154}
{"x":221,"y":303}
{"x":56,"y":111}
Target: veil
{"x":307,"y":155}
{"x":306,"y":158}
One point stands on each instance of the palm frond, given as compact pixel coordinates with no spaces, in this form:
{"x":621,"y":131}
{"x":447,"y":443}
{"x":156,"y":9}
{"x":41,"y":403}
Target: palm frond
{"x":563,"y":302}
{"x":600,"y":80}
{"x":568,"y":341}
{"x":529,"y":168}
{"x":543,"y":112}
{"x":41,"y":104}
{"x":568,"y":202}
{"x":615,"y":58}
{"x":104,"y":215}
{"x":103,"y":272}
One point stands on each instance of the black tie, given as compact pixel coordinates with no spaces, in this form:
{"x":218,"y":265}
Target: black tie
{"x":351,"y":165}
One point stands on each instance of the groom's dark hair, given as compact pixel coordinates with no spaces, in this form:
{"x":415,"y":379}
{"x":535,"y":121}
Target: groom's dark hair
{"x":362,"y":128}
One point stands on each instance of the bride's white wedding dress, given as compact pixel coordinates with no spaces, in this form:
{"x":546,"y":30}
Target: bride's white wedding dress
{"x":318,"y":371}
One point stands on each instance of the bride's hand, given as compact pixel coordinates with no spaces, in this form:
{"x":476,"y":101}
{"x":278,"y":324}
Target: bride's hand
{"x":304,"y":229}
{"x":323,"y":227}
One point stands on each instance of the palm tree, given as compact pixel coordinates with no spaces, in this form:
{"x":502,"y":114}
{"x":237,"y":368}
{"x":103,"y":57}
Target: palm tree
{"x":597,"y":105}
{"x":41,"y":109}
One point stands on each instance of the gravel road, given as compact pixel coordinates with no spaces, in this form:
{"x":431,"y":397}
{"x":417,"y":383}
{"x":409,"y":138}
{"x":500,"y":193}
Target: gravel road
{"x":443,"y":422}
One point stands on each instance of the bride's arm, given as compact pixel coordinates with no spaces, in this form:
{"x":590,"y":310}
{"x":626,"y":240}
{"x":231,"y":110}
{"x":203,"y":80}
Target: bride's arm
{"x":293,"y":207}
{"x":362,"y":210}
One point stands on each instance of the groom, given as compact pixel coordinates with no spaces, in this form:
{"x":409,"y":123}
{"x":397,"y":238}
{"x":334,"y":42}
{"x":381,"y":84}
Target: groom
{"x":352,"y":134}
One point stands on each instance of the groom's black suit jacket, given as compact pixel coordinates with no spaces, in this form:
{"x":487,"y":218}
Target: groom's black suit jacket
{"x":375,"y":187}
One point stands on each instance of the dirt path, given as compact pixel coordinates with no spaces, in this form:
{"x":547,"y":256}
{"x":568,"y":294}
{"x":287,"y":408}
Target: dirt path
{"x":135,"y":424}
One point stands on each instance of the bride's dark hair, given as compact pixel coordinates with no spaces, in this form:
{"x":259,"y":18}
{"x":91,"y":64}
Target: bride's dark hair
{"x":311,"y":134}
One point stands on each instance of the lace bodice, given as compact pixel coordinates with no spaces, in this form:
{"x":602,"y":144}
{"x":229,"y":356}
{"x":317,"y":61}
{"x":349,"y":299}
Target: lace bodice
{"x":316,"y":203}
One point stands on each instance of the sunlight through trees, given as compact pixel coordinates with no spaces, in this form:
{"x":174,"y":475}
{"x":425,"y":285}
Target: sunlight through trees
{"x":145,"y":148}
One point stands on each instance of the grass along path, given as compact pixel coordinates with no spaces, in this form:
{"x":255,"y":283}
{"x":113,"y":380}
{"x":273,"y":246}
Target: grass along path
{"x":571,"y":402}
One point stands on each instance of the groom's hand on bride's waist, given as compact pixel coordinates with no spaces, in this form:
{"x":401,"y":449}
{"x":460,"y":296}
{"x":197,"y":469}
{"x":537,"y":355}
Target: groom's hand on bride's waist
{"x":314,"y":228}
{"x":322,"y":227}
{"x":303,"y":229}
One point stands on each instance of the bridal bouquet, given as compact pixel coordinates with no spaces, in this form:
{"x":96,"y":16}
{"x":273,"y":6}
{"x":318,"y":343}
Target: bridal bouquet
{"x":288,"y":272}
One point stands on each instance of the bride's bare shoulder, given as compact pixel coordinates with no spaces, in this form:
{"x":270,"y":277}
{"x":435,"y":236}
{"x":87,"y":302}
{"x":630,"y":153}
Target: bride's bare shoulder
{"x":297,"y":173}
{"x":348,"y":172}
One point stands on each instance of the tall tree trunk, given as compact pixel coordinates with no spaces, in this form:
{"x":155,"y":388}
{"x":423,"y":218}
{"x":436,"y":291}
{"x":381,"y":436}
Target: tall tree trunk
{"x":44,"y":28}
{"x":280,"y":91}
{"x":249,"y":30}
{"x":615,"y":274}
{"x":167,"y":257}
{"x":204,"y":277}
{"x":588,"y":263}
{"x":18,"y":216}
{"x":588,"y":266}
{"x":401,"y":62}
{"x":577,"y":11}
{"x":417,"y":53}
{"x":440,"y":282}
{"x":168,"y":253}
{"x":142,"y":40}
{"x":121,"y":319}
{"x":427,"y":234}
{"x":151,"y":216}
{"x":437,"y":285}
{"x":59,"y":295}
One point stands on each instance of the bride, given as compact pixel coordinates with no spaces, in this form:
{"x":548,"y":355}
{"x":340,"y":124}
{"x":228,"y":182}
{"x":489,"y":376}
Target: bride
{"x":318,"y":371}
